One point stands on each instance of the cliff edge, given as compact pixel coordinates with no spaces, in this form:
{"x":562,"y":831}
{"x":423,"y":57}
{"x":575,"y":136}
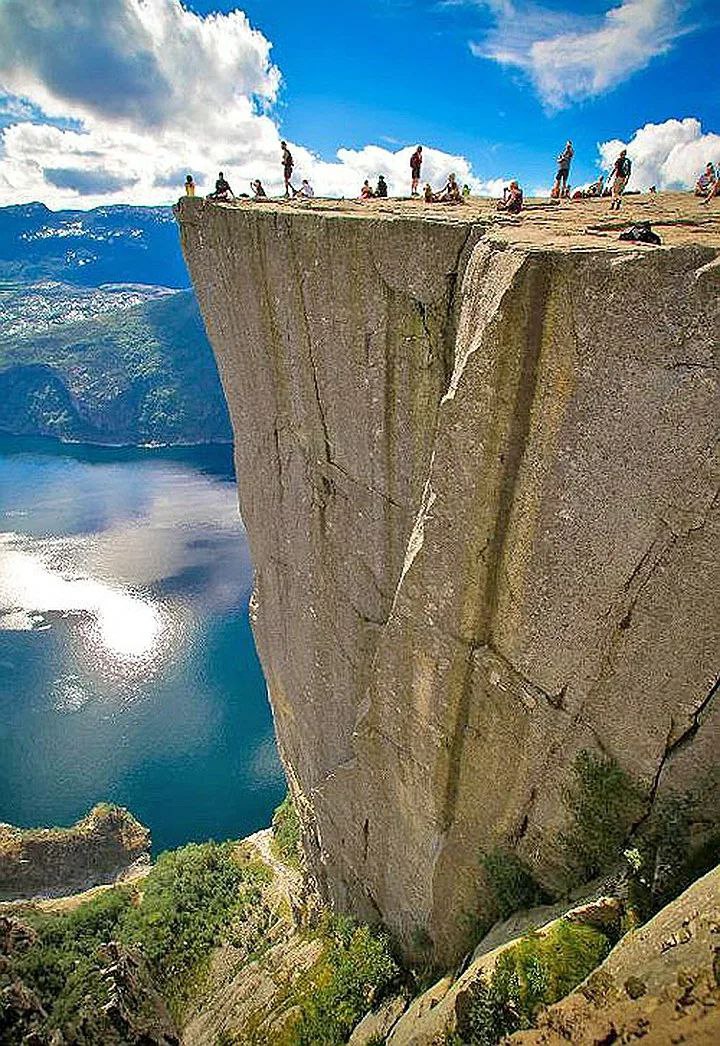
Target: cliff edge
{"x":478,"y":467}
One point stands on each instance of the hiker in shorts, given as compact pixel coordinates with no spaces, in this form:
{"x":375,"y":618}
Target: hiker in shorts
{"x":287,"y":164}
{"x":222,"y":190}
{"x":563,"y":171}
{"x":415,"y":167}
{"x":620,"y":175}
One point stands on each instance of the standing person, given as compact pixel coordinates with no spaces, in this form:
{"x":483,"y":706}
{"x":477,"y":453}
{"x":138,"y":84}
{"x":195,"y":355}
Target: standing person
{"x":563,"y":161}
{"x":189,"y":186}
{"x":415,"y":167}
{"x":287,"y":164}
{"x":620,"y":175}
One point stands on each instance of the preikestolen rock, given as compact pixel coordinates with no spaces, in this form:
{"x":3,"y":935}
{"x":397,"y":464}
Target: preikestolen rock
{"x":478,"y":468}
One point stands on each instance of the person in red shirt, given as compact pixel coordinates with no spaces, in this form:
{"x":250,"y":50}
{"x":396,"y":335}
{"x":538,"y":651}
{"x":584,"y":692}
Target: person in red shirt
{"x":415,"y":166}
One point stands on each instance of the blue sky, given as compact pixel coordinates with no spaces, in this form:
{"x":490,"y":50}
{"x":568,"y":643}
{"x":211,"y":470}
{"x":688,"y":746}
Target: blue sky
{"x":494,"y":85}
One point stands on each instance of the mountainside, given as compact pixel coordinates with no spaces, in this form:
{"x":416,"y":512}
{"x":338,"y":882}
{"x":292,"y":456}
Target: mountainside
{"x":87,"y":248}
{"x":101,"y":340}
{"x":478,"y":469}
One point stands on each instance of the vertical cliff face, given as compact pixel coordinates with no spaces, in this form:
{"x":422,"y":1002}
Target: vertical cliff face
{"x":479,"y":474}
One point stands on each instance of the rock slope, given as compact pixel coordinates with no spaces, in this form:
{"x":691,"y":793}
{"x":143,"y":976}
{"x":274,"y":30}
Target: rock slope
{"x":478,"y":465}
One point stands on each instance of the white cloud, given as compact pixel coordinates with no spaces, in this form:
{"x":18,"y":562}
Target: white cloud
{"x":141,"y":91}
{"x":669,"y":155}
{"x":572,"y":57}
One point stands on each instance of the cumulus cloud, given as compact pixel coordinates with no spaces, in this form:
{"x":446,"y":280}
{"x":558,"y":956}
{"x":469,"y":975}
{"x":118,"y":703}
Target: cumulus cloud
{"x":572,"y":57}
{"x":115,"y":101}
{"x":669,"y":155}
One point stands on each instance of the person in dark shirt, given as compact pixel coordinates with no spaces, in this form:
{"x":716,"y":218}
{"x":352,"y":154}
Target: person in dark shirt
{"x":258,"y":190}
{"x":415,"y":167}
{"x":620,"y":175}
{"x":287,"y":165}
{"x":382,"y":189}
{"x":222,"y":189}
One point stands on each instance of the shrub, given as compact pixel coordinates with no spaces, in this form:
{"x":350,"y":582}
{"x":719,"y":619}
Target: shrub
{"x":535,"y":972}
{"x":357,"y":972}
{"x":286,"y":834}
{"x":511,"y":882}
{"x":188,"y":899}
{"x":603,"y":803}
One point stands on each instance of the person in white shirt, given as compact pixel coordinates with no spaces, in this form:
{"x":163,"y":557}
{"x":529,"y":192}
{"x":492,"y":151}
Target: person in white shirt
{"x":306,"y":190}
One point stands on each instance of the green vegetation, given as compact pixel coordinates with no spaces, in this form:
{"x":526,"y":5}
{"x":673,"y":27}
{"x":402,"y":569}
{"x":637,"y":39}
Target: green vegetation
{"x":511,"y":882}
{"x":535,"y":972}
{"x":171,"y":921}
{"x":357,"y":971}
{"x":286,"y":834}
{"x":144,"y":374}
{"x":604,"y":803}
{"x":664,"y":860}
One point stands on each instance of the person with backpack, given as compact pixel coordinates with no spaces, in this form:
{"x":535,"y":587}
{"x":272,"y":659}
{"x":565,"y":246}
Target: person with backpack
{"x":287,"y":164}
{"x":563,"y":170}
{"x":415,"y":167}
{"x":620,"y":175}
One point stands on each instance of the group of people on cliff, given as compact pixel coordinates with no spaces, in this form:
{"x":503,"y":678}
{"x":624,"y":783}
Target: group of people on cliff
{"x":706,"y":187}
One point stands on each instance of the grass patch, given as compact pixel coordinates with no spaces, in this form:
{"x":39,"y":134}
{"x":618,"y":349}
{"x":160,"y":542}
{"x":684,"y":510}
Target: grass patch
{"x":286,"y":834}
{"x":534,"y":973}
{"x":356,"y":973}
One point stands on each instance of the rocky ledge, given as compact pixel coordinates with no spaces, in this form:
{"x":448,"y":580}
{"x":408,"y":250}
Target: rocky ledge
{"x":54,"y":862}
{"x":478,"y":466}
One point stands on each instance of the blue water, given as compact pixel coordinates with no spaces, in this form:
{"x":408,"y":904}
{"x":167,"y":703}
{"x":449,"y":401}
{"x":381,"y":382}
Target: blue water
{"x":128,"y":671}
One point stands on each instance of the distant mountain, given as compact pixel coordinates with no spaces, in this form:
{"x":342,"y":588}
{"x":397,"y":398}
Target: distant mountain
{"x":100,"y":339}
{"x":118,"y":244}
{"x":142,"y":373}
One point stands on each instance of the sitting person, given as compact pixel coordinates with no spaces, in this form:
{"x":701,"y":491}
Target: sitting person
{"x":466,"y":191}
{"x":706,"y":182}
{"x":450,"y":193}
{"x":366,"y":192}
{"x":258,"y":191}
{"x":512,"y":200}
{"x":382,"y":189}
{"x":189,"y":186}
{"x":306,"y":190}
{"x":428,"y":195}
{"x":596,"y":188}
{"x":222,"y":190}
{"x":713,"y":191}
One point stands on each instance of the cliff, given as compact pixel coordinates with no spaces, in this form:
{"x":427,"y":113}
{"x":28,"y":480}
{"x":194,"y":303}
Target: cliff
{"x":478,"y":468}
{"x":50,"y":862}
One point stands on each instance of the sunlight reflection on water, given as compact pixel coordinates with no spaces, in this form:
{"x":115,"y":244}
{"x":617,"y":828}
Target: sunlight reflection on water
{"x":127,"y":668}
